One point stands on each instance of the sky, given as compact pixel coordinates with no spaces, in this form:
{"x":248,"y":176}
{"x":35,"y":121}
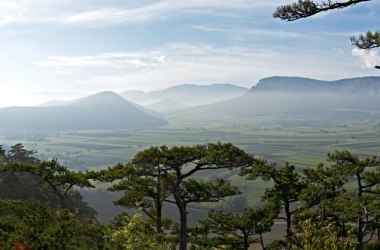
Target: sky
{"x":65,"y":49}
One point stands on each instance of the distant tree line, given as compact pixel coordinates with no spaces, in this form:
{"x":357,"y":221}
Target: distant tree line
{"x":336,"y":206}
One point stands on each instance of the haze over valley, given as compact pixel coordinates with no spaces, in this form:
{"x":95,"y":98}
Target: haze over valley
{"x":276,"y":118}
{"x":279,"y":96}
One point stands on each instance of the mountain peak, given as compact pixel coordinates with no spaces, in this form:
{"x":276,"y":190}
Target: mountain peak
{"x":104,"y":94}
{"x":104,"y":110}
{"x":105,"y":97}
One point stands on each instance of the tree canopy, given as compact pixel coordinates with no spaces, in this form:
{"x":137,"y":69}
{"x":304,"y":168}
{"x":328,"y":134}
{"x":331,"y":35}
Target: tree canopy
{"x":333,"y":207}
{"x":163,"y":174}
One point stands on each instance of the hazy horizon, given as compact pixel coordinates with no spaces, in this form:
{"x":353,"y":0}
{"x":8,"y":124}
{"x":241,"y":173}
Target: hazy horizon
{"x":68,"y":49}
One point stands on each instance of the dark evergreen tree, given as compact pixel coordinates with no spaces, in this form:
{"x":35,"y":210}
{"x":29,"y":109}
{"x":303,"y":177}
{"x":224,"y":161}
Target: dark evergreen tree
{"x":168,"y":172}
{"x":24,"y":177}
{"x":143,"y":185}
{"x":236,"y":231}
{"x":287,"y":187}
{"x":345,"y":197}
{"x":37,"y":226}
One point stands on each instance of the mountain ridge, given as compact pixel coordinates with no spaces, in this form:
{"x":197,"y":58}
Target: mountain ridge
{"x":296,"y":96}
{"x":104,"y":110}
{"x":187,"y":94}
{"x":369,"y":84}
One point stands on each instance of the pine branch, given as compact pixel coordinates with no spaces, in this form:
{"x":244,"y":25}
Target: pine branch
{"x":368,"y":41}
{"x":307,"y":8}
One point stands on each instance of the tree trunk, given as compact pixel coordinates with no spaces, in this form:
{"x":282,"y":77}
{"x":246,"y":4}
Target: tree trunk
{"x":360,"y":220}
{"x":159,"y":217}
{"x":246,"y":243}
{"x":159,"y":205}
{"x":62,"y":202}
{"x":183,"y":218}
{"x":183,"y":228}
{"x":262,"y":241}
{"x":288,"y":216}
{"x":360,"y":233}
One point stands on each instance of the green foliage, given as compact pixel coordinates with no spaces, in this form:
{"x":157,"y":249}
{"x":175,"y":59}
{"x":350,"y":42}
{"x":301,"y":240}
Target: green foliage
{"x":368,"y":41}
{"x":25,"y":177}
{"x":313,"y":235}
{"x":143,"y":187}
{"x":307,"y":8}
{"x":352,"y":213}
{"x":39,"y":227}
{"x":161,"y":174}
{"x":59,"y":178}
{"x":2,"y":152}
{"x":337,"y":206}
{"x":177,"y":164}
{"x":233,"y":231}
{"x":322,"y":185}
{"x":135,"y":232}
{"x":206,"y":191}
{"x":358,"y":206}
{"x":287,"y":187}
{"x":18,"y":153}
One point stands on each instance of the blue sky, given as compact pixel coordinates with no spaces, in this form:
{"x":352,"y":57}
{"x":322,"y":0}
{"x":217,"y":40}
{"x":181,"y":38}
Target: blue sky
{"x":63,"y":49}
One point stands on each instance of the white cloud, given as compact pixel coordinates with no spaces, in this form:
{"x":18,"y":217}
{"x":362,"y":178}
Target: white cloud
{"x":60,"y":62}
{"x":160,"y":59}
{"x":195,"y":63}
{"x":370,"y":59}
{"x":251,"y":32}
{"x":137,"y":63}
{"x":178,"y":63}
{"x":31,"y":11}
{"x":115,"y":60}
{"x":85,"y":11}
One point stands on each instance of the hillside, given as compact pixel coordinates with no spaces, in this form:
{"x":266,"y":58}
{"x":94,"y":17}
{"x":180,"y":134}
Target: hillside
{"x":187,"y":94}
{"x":105,"y":110}
{"x":166,"y":106}
{"x":298,"y":96}
{"x":362,"y":85}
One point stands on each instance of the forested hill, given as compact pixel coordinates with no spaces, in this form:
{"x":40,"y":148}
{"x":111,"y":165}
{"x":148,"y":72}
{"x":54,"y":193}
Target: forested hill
{"x":361,"y":85}
{"x":105,"y":110}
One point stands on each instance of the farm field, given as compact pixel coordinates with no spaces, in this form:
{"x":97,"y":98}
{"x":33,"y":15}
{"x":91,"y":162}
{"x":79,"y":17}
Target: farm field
{"x":299,"y":141}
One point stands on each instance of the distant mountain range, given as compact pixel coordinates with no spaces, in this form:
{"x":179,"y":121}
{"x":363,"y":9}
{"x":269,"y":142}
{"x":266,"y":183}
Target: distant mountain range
{"x":185,"y":95}
{"x":362,"y":85}
{"x":296,"y":95}
{"x":273,"y":95}
{"x":105,"y":110}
